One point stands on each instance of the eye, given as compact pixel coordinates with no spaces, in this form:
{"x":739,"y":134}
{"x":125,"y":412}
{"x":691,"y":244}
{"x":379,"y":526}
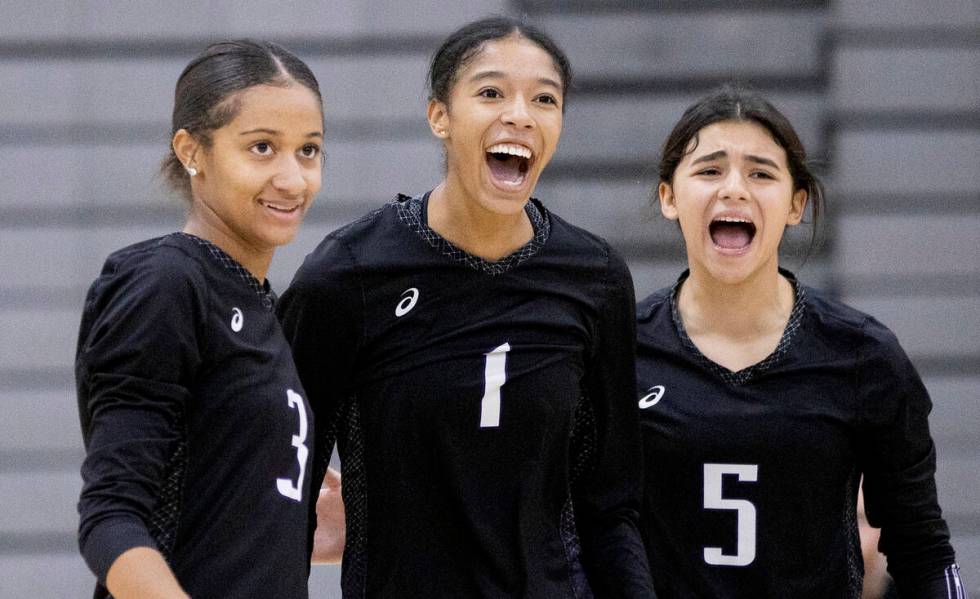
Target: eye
{"x":761,"y":175}
{"x":709,"y":171}
{"x":262,"y":148}
{"x":310,"y":151}
{"x":489,"y":92}
{"x":547,"y":99}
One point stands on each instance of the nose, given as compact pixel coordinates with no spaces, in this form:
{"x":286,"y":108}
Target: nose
{"x":517,"y":113}
{"x":733,"y":186}
{"x":289,"y":177}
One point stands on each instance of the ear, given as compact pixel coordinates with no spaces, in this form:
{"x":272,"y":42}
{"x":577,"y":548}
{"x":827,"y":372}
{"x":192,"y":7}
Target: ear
{"x":438,"y":114}
{"x":668,"y":206}
{"x":185,"y":147}
{"x":797,"y":207}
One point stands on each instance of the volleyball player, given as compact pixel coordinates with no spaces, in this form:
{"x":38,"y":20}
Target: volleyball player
{"x":763,"y":401}
{"x":472,"y":353}
{"x":193,"y":416}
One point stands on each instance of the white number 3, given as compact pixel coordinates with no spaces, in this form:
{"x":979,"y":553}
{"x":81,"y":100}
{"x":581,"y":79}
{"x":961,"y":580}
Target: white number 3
{"x":745,"y":541}
{"x":285,"y":485}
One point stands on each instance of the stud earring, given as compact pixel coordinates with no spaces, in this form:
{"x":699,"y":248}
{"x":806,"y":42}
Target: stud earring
{"x":191,"y":171}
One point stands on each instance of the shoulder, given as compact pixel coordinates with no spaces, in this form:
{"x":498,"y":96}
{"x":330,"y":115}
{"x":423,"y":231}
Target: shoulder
{"x":586,"y":247}
{"x":333,"y":269}
{"x":160,"y":266}
{"x":575,"y":236}
{"x":846,"y":328}
{"x":653,"y":305}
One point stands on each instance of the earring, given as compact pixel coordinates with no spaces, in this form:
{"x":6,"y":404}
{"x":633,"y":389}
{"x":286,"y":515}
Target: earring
{"x":191,"y":171}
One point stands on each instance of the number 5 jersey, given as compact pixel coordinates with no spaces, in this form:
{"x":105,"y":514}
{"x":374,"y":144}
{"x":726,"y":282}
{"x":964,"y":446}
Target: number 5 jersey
{"x":483,"y":410}
{"x":752,"y":476}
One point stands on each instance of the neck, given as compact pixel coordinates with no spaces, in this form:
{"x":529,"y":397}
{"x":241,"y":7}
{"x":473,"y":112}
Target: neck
{"x":256,"y":261}
{"x":474,"y":229}
{"x":759,"y":305}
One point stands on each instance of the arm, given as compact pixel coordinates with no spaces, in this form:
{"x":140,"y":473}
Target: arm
{"x":142,"y":573}
{"x":137,"y":346}
{"x":899,"y":460}
{"x":328,"y":541}
{"x":321,"y":318}
{"x":607,"y":499}
{"x":875,"y":577}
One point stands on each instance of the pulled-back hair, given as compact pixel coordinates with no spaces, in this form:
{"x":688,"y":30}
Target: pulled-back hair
{"x":466,"y":43}
{"x":205,"y":98}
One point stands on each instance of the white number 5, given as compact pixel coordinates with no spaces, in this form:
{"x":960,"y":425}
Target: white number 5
{"x":285,"y":485}
{"x":745,"y":541}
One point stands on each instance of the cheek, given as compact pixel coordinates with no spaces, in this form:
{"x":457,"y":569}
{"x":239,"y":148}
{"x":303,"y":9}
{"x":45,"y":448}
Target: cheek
{"x":315,"y":180}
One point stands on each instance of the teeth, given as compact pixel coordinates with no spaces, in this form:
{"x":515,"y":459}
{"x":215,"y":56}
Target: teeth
{"x":732,"y":219}
{"x":512,"y":149}
{"x":276,"y":206}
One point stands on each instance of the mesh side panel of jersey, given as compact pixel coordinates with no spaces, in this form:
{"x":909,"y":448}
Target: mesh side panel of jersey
{"x":354,"y":490}
{"x":855,"y":560}
{"x":582,"y":460}
{"x":263,"y":290}
{"x":166,"y":515}
{"x":410,"y":213}
{"x":746,"y":374}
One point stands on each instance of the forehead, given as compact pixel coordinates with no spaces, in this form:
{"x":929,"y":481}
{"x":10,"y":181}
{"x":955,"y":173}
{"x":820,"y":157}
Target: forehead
{"x":735,"y":138}
{"x":512,"y":56}
{"x":294,"y":102}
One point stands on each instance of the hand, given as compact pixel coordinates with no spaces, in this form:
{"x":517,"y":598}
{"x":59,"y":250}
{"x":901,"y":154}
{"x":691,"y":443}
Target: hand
{"x":331,"y":529}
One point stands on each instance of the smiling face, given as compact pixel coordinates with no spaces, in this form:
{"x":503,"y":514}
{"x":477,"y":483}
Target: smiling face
{"x":501,"y":124}
{"x":733,"y":196}
{"x":260,"y":173}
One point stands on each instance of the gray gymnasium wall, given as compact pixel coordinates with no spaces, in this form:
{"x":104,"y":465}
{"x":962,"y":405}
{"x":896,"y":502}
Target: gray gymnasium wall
{"x":885,"y":92}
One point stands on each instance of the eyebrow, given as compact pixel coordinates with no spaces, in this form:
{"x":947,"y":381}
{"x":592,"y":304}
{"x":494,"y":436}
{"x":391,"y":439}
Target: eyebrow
{"x":274,"y":132}
{"x":496,"y":74}
{"x":723,"y":154}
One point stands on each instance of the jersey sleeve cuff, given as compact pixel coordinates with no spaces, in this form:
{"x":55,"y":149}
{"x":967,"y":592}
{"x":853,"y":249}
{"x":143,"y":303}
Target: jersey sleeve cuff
{"x":105,"y":543}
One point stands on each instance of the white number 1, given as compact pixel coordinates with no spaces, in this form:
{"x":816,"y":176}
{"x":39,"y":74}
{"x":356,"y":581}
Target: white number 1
{"x":285,"y":485}
{"x":494,"y":377}
{"x":745,"y":539}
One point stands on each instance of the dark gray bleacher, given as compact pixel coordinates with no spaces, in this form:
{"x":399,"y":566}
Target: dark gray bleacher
{"x":888,"y":92}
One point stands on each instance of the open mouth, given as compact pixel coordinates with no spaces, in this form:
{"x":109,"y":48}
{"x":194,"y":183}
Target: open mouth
{"x":731,"y":233}
{"x":509,"y":163}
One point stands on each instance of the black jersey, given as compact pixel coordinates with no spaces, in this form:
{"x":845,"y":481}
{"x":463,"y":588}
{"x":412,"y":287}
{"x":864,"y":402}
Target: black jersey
{"x":752,"y":476}
{"x":195,"y":423}
{"x":483,"y":410}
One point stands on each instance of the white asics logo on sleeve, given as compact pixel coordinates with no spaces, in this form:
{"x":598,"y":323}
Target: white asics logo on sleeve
{"x":237,"y":320}
{"x":652,"y":397}
{"x":409,"y":297}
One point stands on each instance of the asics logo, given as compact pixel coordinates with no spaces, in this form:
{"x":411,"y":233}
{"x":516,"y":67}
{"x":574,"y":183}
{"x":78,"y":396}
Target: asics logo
{"x":652,"y":397}
{"x":237,"y":319}
{"x":409,"y":297}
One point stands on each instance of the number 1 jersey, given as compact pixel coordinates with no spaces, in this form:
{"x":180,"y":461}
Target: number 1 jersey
{"x":483,"y":410}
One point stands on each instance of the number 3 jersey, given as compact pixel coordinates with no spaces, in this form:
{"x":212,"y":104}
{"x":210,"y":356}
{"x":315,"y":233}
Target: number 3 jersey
{"x":751,"y":476}
{"x":483,"y":410}
{"x":195,"y":423}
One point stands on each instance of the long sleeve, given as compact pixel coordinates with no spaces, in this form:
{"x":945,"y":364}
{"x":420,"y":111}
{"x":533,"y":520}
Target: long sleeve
{"x":138,"y":349}
{"x":607,"y":499}
{"x":899,"y":461}
{"x":321,"y":320}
